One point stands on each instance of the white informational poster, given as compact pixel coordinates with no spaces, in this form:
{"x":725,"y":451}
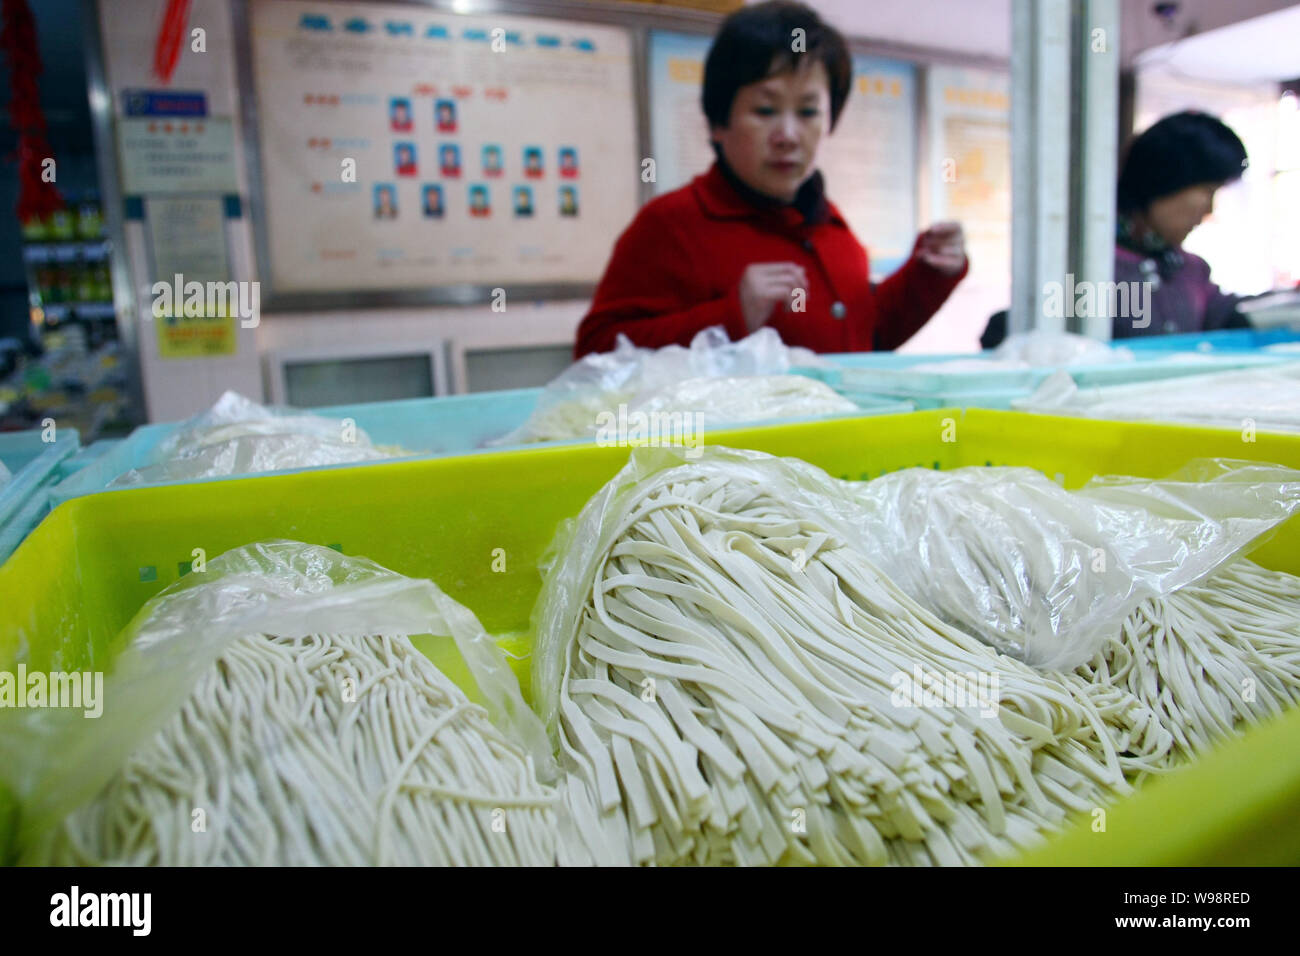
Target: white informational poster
{"x":869,"y":161}
{"x":175,"y":136}
{"x":969,"y":170}
{"x":187,"y":243}
{"x":403,"y":148}
{"x":187,"y":236}
{"x":182,"y":154}
{"x":679,"y":133}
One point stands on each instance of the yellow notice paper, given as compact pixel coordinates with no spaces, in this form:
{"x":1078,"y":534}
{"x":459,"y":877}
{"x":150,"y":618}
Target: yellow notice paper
{"x":187,"y":243}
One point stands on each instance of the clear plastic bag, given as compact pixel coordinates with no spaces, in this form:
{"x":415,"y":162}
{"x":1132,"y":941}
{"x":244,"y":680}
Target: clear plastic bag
{"x":571,"y":403}
{"x":1047,"y":575}
{"x":1039,"y":348}
{"x":251,"y":454}
{"x":570,"y":562}
{"x":234,"y":416}
{"x":1265,"y":399}
{"x":284,"y":588}
{"x":1004,"y":554}
{"x":745,"y":399}
{"x":238,"y":436}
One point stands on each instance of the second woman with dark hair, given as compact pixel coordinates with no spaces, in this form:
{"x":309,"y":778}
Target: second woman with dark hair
{"x":1166,"y":188}
{"x":755,"y":241}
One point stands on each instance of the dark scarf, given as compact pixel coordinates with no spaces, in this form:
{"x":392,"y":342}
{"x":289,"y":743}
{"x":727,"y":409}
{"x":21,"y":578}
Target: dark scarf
{"x":810,"y":200}
{"x":1168,"y":259}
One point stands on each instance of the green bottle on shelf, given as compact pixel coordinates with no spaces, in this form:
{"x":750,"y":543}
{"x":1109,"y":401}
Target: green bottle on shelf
{"x":35,"y":230}
{"x":103,"y":282}
{"x":62,"y":226}
{"x":90,"y":220}
{"x":85,"y":286}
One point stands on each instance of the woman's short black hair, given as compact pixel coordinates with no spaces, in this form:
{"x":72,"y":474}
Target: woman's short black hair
{"x":757,"y":42}
{"x":1181,"y":150}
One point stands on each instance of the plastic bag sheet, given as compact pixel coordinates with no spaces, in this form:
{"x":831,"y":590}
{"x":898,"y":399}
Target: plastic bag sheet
{"x":1037,"y":349}
{"x":284,"y":588}
{"x":251,"y":454}
{"x":1264,"y":399}
{"x":630,"y":375}
{"x":237,"y":436}
{"x":1040,"y":348}
{"x":1003,"y":554}
{"x":746,"y":399}
{"x":1047,"y":575}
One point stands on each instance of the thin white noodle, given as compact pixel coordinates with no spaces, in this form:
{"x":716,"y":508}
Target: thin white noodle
{"x":770,"y":734}
{"x":287,"y":772}
{"x":1206,"y":660}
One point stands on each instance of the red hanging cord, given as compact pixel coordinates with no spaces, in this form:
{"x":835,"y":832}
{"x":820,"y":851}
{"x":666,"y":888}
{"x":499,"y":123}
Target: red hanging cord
{"x":167,"y":48}
{"x":36,"y":197}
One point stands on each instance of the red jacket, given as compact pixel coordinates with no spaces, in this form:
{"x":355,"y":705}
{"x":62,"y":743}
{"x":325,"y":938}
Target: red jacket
{"x":676,"y":270}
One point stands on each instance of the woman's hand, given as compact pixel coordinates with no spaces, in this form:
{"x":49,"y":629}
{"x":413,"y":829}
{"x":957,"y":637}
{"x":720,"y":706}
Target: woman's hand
{"x":943,"y":247}
{"x":763,"y":285}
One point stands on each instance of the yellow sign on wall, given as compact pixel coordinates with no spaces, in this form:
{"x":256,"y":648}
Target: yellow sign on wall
{"x":204,"y":336}
{"x":683,"y":70}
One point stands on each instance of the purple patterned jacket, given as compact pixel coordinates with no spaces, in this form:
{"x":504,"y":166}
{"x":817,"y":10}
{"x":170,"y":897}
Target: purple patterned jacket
{"x":1182,"y":297}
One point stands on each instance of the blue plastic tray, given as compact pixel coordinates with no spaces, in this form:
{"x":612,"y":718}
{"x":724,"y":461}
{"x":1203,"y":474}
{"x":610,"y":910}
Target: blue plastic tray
{"x":964,"y":389}
{"x":1153,"y":365}
{"x":845,"y":361}
{"x":429,"y":427}
{"x":85,"y":455}
{"x":33,"y":464}
{"x":994,"y":398}
{"x":1231,"y":340}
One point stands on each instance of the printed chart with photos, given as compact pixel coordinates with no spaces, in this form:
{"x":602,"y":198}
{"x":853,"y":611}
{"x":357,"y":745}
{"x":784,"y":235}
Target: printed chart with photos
{"x":406,"y":149}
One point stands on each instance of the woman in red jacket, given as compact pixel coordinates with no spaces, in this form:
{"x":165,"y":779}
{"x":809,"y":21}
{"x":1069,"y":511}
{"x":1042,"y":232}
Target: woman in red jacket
{"x":754,"y":241}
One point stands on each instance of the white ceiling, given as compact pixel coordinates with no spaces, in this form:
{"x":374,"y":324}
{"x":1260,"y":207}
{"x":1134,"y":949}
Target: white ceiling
{"x":969,"y":26}
{"x":1257,"y":50}
{"x":1264,"y":47}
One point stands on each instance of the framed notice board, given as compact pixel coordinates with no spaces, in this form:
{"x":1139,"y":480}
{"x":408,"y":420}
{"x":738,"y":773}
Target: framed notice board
{"x":405,"y":154}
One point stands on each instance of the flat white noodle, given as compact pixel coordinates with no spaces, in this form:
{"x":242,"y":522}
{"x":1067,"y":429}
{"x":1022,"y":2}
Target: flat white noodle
{"x":772,"y":733}
{"x":727,"y":697}
{"x":287,"y":770}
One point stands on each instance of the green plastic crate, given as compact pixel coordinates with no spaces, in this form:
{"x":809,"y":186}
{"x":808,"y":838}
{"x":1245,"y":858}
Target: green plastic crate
{"x":81,"y":576}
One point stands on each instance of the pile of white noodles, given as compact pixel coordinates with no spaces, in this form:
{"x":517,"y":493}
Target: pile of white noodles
{"x":706,"y":402}
{"x":720,"y":381}
{"x":325,"y":750}
{"x":237,"y":436}
{"x":728,"y":702}
{"x":733,"y":684}
{"x":734,"y":668}
{"x":1207,"y":659}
